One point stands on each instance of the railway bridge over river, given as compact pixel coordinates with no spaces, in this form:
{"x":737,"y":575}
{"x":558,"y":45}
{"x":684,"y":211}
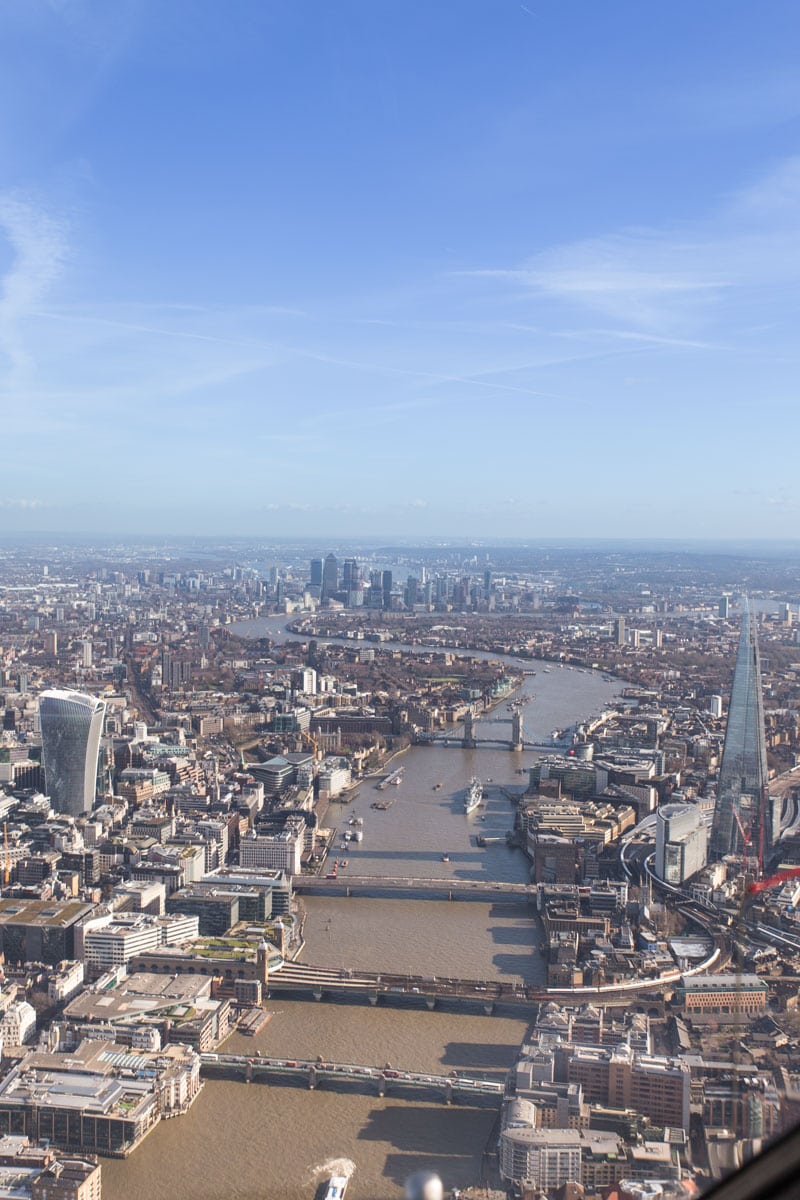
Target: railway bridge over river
{"x":432,"y":991}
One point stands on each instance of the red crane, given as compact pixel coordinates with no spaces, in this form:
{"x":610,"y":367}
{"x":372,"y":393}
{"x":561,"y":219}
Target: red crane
{"x":761,"y":885}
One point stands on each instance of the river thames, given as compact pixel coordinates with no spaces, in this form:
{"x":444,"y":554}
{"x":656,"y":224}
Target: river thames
{"x":239,"y":1141}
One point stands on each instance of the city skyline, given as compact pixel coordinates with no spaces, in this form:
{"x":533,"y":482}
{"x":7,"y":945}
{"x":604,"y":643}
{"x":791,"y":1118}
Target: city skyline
{"x":309,"y":272}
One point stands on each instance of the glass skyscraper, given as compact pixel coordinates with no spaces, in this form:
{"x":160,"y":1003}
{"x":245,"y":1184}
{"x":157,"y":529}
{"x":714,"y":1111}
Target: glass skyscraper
{"x":71,"y":725}
{"x":742,"y":812}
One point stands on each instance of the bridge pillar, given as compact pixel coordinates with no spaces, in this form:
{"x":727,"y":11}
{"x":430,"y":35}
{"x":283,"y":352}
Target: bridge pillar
{"x":448,"y":1092}
{"x":248,"y":1073}
{"x":312,"y":1078}
{"x":488,"y":1008}
{"x":382,"y":1085}
{"x":373,"y":998}
{"x":317,"y":993}
{"x":431,"y":1002}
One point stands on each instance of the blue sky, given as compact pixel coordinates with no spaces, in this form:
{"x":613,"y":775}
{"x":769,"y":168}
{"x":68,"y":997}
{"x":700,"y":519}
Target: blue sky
{"x":469,"y":268}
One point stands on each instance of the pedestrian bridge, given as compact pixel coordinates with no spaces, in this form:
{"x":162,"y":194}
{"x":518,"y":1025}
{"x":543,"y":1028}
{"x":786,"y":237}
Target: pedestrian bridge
{"x":383,"y":1079}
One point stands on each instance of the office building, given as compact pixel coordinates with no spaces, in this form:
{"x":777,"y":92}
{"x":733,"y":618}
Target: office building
{"x":40,"y":930}
{"x":315,"y":579}
{"x":723,"y":999}
{"x":17,"y":1024}
{"x":547,"y":1158}
{"x":743,"y":815}
{"x":71,"y":725}
{"x":330,"y":577}
{"x":277,"y":852}
{"x":749,"y":1107}
{"x":724,"y":607}
{"x":657,"y":1087}
{"x":113,"y":943}
{"x":351,"y":575}
{"x":681,"y":842}
{"x":386,"y":587}
{"x":68,"y":1179}
{"x":619,"y":631}
{"x":307,"y":681}
{"x":97,"y":1098}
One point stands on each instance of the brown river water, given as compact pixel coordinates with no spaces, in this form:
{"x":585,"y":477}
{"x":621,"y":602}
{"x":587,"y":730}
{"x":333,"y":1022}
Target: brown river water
{"x":242,"y":1142}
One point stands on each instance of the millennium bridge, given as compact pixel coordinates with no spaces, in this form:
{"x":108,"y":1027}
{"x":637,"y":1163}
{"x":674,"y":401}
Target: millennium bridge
{"x":341,"y":1075}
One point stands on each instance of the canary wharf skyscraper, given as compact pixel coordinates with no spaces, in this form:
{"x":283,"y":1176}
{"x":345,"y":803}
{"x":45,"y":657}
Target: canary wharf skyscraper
{"x":743,"y":815}
{"x":71,"y":724}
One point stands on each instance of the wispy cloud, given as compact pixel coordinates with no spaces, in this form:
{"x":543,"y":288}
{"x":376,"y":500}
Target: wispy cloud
{"x":38,"y":246}
{"x":22,"y":504}
{"x":665,"y":283}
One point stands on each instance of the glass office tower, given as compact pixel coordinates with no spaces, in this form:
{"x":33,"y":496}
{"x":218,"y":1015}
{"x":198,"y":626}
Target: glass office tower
{"x":742,"y":813}
{"x":71,"y":725}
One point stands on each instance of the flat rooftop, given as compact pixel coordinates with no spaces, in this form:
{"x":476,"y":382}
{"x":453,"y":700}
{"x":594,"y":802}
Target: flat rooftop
{"x":44,"y":913}
{"x":723,"y":983}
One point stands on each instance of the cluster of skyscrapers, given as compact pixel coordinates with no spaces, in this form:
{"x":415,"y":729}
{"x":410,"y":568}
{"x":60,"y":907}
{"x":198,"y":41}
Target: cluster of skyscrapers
{"x":349,"y":587}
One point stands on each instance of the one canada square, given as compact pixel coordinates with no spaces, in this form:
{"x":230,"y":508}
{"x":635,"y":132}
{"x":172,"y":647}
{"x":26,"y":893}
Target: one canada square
{"x":71,"y":725}
{"x":743,"y":812}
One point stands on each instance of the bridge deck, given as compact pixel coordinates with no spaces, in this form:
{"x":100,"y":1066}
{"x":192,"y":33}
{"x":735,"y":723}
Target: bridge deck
{"x":381,"y":883}
{"x":297,"y":1068}
{"x":294,"y":976}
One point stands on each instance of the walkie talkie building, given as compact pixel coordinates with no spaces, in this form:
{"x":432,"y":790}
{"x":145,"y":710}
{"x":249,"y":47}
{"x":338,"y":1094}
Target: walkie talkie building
{"x":743,"y":815}
{"x":71,"y":725}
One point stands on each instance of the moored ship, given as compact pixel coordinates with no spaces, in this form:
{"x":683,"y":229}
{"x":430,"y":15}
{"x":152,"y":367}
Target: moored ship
{"x":474,"y":795}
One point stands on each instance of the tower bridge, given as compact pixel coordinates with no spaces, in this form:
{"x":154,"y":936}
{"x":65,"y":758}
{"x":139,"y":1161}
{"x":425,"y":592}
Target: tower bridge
{"x":452,"y":740}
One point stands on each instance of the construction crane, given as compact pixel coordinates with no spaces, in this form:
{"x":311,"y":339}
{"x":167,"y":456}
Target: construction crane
{"x":746,"y":837}
{"x":761,"y":885}
{"x":309,"y":737}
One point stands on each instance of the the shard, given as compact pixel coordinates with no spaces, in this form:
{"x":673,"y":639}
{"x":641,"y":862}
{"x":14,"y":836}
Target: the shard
{"x":743,"y":816}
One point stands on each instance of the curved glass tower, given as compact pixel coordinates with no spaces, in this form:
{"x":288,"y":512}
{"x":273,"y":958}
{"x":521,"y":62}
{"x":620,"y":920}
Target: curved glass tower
{"x":742,"y":813}
{"x":71,"y":725}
